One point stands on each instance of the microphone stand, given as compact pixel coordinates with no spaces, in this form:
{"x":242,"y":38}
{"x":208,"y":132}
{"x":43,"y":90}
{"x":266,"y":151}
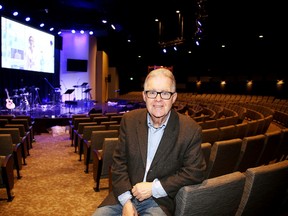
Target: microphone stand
{"x":53,"y":97}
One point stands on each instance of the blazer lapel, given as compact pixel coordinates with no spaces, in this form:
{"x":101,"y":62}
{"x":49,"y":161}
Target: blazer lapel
{"x":142,"y":134}
{"x":168,"y":139}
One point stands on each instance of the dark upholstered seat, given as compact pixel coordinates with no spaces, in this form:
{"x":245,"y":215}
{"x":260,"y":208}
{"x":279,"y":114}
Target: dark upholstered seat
{"x":265,"y":190}
{"x":219,"y":196}
{"x":102,"y":160}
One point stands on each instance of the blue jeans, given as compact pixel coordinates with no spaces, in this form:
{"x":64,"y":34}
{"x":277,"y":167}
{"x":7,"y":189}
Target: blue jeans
{"x":144,"y":208}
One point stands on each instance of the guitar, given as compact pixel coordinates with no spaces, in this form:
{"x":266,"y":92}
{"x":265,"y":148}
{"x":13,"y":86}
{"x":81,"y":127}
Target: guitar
{"x":9,"y":102}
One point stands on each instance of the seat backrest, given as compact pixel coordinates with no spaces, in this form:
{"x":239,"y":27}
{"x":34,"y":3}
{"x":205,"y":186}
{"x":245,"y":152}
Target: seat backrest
{"x":74,"y":116}
{"x":282,"y":151}
{"x":100,"y":119}
{"x":209,"y":124}
{"x":268,"y":120}
{"x":108,"y":123}
{"x":20,"y":126}
{"x":252,"y":127}
{"x":92,"y":115}
{"x":261,"y":125}
{"x":241,"y":130}
{"x":114,"y":127}
{"x":251,"y":148}
{"x":265,"y":189}
{"x":206,"y":148}
{"x":272,"y":142}
{"x":15,"y":134}
{"x":6,"y":144}
{"x":116,"y":118}
{"x":109,"y":145}
{"x":216,"y":196}
{"x":25,"y":122}
{"x":81,"y":126}
{"x":24,"y":117}
{"x":210,"y":135}
{"x":97,"y":137}
{"x":8,"y":117}
{"x":3,"y":122}
{"x":87,"y":130}
{"x":223,"y":157}
{"x":227,"y":132}
{"x":7,"y":174}
{"x":80,"y":120}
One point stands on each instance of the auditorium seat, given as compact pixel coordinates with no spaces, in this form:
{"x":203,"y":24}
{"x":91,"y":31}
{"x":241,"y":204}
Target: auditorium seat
{"x":282,"y":151}
{"x":251,"y":148}
{"x":218,"y":196}
{"x":223,"y":157}
{"x":96,"y":142}
{"x":25,"y":137}
{"x":31,"y":123}
{"x":7,"y":175}
{"x":75,"y":126}
{"x":102,"y":160}
{"x":15,"y":135}
{"x":206,"y":148}
{"x":80,"y":131}
{"x":27,"y":126}
{"x":272,"y":142}
{"x":252,"y":127}
{"x":210,"y":135}
{"x":7,"y":147}
{"x":265,"y":190}
{"x":73,"y":117}
{"x":241,"y":130}
{"x":87,"y":131}
{"x":227,"y":132}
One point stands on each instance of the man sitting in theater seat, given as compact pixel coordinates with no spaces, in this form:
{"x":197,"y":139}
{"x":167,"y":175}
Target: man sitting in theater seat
{"x":159,"y":152}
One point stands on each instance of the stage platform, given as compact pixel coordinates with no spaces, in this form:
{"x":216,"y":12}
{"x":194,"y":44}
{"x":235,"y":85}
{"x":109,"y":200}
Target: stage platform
{"x":49,"y":115}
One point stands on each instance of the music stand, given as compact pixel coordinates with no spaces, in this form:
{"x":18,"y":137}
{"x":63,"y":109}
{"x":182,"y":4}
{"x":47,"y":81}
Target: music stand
{"x":87,"y":91}
{"x":84,"y":84}
{"x":69,"y":92}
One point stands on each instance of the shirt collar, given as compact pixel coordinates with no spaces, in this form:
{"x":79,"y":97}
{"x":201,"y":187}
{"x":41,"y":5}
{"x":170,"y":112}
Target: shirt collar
{"x":149,"y":122}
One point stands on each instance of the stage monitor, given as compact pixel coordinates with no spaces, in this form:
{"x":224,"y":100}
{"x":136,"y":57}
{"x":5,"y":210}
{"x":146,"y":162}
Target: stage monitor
{"x":26,"y":48}
{"x":77,"y":65}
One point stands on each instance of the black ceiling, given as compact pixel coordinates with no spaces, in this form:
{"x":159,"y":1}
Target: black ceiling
{"x":237,"y":24}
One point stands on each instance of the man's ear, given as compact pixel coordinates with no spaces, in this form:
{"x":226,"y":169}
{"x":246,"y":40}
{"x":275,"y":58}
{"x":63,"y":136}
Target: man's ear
{"x":174,"y":97}
{"x":144,"y":96}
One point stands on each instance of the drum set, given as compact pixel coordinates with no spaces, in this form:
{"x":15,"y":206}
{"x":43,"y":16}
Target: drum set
{"x":26,"y":98}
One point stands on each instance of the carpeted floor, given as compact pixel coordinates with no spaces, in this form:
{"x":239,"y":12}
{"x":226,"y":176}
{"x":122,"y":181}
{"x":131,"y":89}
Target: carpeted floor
{"x":53,"y":182}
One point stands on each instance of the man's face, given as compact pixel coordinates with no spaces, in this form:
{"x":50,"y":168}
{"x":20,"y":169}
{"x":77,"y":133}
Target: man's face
{"x":159,"y":107}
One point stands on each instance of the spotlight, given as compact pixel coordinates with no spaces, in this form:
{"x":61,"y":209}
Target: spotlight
{"x":15,"y":13}
{"x":27,"y":19}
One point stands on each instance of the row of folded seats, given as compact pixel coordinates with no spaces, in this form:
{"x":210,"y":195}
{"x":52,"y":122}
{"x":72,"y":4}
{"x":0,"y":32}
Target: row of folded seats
{"x":88,"y":134}
{"x":16,"y":138}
